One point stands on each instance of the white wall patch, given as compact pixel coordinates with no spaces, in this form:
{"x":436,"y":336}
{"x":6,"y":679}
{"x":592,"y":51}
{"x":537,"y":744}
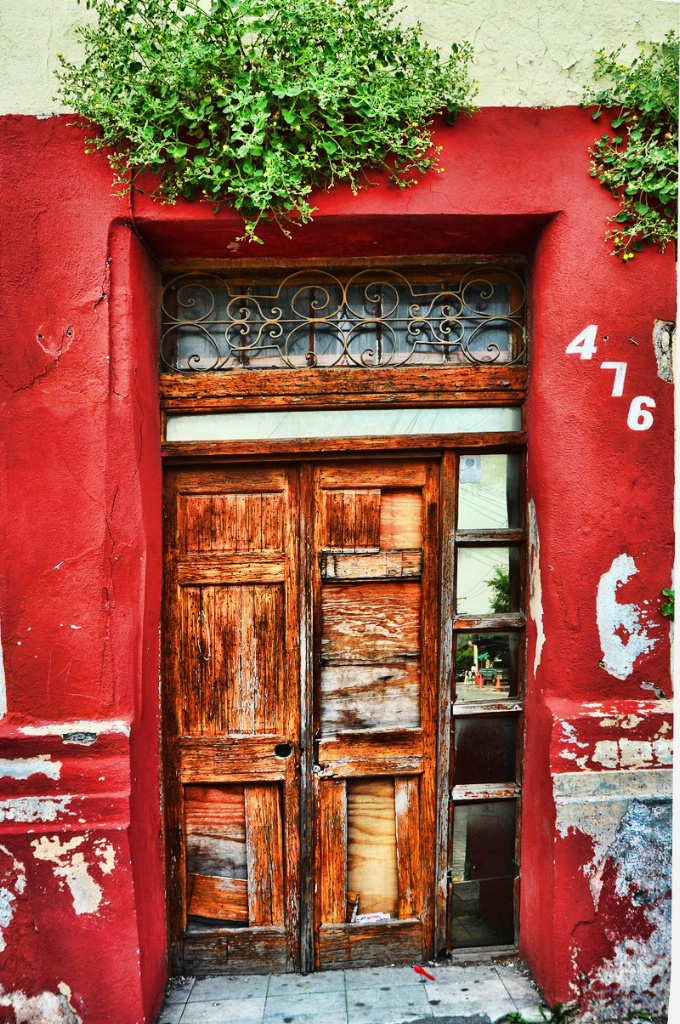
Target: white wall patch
{"x":535,"y":592}
{"x":619,"y":653}
{"x":34,"y":808}
{"x":13,"y":878}
{"x":24,"y":767}
{"x":73,"y":868}
{"x":45,"y":1008}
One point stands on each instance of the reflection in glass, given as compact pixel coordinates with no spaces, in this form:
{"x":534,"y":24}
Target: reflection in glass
{"x":485,"y":749}
{"x":488,"y":493}
{"x":482,"y":872}
{"x":486,"y":666}
{"x":487,"y":581}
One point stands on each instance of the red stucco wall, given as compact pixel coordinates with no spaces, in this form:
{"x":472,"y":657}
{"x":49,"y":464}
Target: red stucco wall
{"x":81,"y":540}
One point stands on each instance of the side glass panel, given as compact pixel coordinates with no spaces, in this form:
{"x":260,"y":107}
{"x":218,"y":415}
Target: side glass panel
{"x":488,"y":492}
{"x":487,"y":580}
{"x":485,"y":749}
{"x":482,"y":872}
{"x":487,"y":666}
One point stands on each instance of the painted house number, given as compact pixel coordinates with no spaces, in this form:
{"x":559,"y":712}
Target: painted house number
{"x":639,"y":415}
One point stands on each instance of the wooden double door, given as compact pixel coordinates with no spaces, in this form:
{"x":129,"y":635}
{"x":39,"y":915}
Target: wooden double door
{"x":300,"y":697}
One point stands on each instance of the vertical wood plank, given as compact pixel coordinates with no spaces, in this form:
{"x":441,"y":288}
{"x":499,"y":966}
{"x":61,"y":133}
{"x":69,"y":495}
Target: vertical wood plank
{"x":331,"y":534}
{"x":220,"y":640}
{"x":367,"y":519}
{"x":372,"y":844}
{"x":314,"y":524}
{"x":249,"y":518}
{"x":269,"y":641}
{"x":272,"y":522}
{"x":332,"y":833}
{"x":449,"y":498}
{"x":348,"y":520}
{"x":401,"y":520}
{"x":429,"y":696}
{"x":224,"y":522}
{"x":264,"y":853}
{"x":197,"y":524}
{"x":210,"y":697}
{"x":409,"y":875}
{"x":248,"y":681}
{"x":191,"y":695}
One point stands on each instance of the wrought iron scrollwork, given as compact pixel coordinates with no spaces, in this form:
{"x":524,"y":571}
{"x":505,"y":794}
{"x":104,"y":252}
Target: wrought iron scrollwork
{"x":370,"y":318}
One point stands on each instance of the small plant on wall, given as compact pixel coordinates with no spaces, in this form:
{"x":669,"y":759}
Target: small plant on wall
{"x":253,"y":103}
{"x":639,"y":162}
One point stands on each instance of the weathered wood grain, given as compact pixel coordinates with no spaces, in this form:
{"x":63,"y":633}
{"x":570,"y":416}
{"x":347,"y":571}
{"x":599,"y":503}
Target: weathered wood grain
{"x":401,"y":519}
{"x":214,"y":824}
{"x":281,"y":448}
{"x":256,"y":567}
{"x":419,"y":385}
{"x":393,"y":942}
{"x":370,"y":697}
{"x":264,"y":853}
{"x":485,"y":791}
{"x":372,"y":473}
{"x":332,"y":833}
{"x":350,"y":519}
{"x":225,"y":899}
{"x":370,"y":623}
{"x":383,"y":565}
{"x":235,"y":951}
{"x":191,"y":696}
{"x":233,"y":759}
{"x":409,"y":873}
{"x":372,"y":846}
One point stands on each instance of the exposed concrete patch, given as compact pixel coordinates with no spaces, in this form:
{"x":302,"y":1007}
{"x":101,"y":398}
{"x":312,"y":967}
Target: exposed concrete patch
{"x":65,"y":729}
{"x":45,"y":1008}
{"x":613,"y":618}
{"x":24,"y":767}
{"x":74,"y":869}
{"x":535,"y":592}
{"x":13,"y":877}
{"x":663,"y":336}
{"x":34,"y":808}
{"x":637,"y":975}
{"x":595,"y":803}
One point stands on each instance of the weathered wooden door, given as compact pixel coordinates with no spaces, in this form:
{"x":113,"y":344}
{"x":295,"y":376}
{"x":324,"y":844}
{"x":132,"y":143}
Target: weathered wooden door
{"x":301,"y":664}
{"x":375,"y":709}
{"x":232,"y":718}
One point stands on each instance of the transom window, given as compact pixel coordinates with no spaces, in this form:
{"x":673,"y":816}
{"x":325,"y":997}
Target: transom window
{"x":364,"y":317}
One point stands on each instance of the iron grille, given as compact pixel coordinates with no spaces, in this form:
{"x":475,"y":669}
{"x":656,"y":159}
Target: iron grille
{"x":373,"y":317}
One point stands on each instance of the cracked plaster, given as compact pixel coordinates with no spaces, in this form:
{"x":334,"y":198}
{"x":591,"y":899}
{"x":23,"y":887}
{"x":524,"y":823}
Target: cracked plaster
{"x":537,"y":54}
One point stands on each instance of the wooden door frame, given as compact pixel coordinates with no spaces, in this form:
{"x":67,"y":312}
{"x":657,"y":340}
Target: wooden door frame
{"x":359,"y":388}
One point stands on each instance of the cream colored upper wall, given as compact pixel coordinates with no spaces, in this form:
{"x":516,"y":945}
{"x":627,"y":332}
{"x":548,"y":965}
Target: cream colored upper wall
{"x":527,"y":52}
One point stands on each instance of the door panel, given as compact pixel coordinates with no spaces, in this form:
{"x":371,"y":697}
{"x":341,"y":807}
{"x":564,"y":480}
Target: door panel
{"x":375,"y":688}
{"x":232,"y":725}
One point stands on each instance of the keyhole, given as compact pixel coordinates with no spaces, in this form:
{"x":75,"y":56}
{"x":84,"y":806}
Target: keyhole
{"x":283,"y":750}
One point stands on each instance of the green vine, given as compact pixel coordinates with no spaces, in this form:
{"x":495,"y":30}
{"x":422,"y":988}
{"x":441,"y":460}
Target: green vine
{"x":253,"y":103}
{"x":668,"y":607}
{"x":639,"y":165}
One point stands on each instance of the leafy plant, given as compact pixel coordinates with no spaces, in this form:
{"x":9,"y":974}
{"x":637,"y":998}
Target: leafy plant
{"x":560,"y":1013}
{"x":253,"y":103}
{"x":668,"y":609}
{"x":639,"y":166}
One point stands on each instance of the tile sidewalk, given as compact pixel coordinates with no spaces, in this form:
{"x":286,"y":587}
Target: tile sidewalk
{"x":479,"y":994}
